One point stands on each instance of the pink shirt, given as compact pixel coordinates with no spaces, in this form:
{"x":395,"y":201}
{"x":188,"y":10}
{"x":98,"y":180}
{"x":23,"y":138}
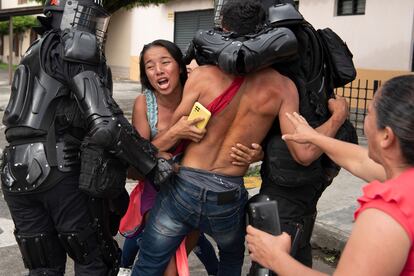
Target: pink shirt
{"x":396,"y":198}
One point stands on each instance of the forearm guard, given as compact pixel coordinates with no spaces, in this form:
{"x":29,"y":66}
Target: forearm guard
{"x":246,"y":54}
{"x":107,"y":127}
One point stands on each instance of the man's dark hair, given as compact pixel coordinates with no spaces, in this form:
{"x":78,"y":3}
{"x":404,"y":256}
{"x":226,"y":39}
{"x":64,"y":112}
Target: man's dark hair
{"x":243,"y":16}
{"x":174,"y":51}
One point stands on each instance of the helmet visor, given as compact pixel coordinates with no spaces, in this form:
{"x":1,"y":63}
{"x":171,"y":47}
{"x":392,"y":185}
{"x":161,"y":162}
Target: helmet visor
{"x":87,"y":17}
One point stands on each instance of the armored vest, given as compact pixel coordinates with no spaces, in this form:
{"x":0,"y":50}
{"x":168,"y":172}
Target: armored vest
{"x":43,"y":126}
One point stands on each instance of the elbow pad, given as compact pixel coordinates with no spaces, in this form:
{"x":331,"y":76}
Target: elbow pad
{"x":94,"y":99}
{"x":207,"y":46}
{"x":276,"y":45}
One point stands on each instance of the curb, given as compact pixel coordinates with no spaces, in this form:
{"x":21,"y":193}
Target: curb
{"x":326,"y":236}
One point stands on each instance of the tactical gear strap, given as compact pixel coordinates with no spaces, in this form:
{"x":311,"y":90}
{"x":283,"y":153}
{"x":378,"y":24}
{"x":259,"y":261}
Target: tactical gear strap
{"x":76,"y":245}
{"x":101,"y":174}
{"x":38,"y":250}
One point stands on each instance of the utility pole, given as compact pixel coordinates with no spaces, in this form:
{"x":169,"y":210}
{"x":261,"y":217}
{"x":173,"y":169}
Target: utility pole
{"x":10,"y":49}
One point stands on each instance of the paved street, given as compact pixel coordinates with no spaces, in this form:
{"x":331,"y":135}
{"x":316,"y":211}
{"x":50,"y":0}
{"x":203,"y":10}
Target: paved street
{"x":10,"y":260}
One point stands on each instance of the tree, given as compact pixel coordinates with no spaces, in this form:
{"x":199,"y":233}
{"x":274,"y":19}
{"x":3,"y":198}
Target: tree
{"x":114,"y":5}
{"x":20,"y":24}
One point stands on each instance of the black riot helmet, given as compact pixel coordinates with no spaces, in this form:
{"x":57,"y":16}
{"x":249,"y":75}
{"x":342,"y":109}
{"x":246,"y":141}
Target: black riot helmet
{"x":267,"y":4}
{"x":87,"y":16}
{"x":84,"y":15}
{"x":53,"y":9}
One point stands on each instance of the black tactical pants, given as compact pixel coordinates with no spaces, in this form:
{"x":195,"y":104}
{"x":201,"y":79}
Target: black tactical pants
{"x":297,"y":206}
{"x":61,"y":209}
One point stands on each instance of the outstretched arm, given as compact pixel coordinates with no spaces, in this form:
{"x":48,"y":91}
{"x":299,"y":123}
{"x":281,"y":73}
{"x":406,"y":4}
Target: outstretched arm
{"x":352,"y":157}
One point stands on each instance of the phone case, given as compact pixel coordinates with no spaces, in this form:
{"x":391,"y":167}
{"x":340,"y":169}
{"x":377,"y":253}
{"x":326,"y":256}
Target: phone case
{"x":264,"y":216}
{"x":199,"y":110}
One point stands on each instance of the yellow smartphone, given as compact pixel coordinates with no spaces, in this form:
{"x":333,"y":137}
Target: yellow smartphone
{"x":199,"y":110}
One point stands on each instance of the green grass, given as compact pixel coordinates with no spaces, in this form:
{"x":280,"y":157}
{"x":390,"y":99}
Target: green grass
{"x":5,"y":66}
{"x":253,"y":171}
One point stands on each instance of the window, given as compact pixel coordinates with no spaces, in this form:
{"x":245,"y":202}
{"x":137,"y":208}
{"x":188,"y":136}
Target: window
{"x":188,"y":23}
{"x":351,"y":7}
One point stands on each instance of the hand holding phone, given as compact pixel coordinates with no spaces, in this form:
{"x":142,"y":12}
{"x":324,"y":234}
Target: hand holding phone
{"x":197,"y":111}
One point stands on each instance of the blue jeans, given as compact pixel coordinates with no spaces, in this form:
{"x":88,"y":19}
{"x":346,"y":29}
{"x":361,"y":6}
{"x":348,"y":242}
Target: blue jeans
{"x":183,"y":207}
{"x":206,"y":254}
{"x":129,"y":251}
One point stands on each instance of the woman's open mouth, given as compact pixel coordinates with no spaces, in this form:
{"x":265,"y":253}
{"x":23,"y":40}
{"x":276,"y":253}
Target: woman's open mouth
{"x":163,"y":83}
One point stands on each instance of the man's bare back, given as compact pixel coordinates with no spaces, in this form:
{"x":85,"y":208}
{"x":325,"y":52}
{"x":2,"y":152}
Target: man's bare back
{"x":247,"y":119}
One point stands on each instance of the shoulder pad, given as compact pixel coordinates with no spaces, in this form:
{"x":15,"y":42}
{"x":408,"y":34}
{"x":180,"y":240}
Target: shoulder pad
{"x":81,"y":47}
{"x":208,"y":45}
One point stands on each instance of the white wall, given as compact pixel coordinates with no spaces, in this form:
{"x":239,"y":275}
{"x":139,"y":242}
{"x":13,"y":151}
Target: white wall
{"x":117,"y":48}
{"x":380,"y":39}
{"x":8,"y":4}
{"x":157,"y":22}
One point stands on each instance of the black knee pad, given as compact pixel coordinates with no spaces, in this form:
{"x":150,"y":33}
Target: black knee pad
{"x":41,"y":251}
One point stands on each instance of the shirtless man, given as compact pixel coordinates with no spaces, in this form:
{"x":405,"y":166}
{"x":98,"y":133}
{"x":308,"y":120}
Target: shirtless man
{"x":208,"y":192}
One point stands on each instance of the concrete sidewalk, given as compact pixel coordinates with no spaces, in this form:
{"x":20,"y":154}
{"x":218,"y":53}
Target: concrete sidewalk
{"x":335,"y":208}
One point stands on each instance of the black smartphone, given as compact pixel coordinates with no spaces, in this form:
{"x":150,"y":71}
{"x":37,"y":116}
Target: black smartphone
{"x":264,"y":216}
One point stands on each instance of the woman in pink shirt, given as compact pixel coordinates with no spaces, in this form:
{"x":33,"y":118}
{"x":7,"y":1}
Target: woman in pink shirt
{"x":383,"y":234}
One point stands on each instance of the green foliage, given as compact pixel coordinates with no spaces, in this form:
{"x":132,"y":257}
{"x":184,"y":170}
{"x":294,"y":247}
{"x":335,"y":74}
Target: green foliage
{"x":114,"y":5}
{"x":4,"y":66}
{"x":254,"y":170}
{"x":20,"y":24}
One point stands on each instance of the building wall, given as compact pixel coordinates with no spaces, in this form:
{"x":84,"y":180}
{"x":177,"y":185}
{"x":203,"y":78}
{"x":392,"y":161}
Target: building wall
{"x":23,"y":46}
{"x":381,"y":40}
{"x":25,"y":43}
{"x":9,"y":4}
{"x":157,"y":22}
{"x":117,"y":48}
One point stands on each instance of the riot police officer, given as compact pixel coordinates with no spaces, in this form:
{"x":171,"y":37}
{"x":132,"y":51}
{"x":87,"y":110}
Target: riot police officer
{"x":290,"y":45}
{"x":64,"y":169}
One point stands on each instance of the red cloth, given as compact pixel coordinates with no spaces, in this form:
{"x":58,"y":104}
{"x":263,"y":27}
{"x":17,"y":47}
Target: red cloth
{"x":181,"y":260}
{"x":219,"y":103}
{"x":132,"y":220}
{"x":394,"y":197}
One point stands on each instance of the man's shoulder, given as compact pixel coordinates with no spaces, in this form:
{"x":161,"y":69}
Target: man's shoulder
{"x":206,"y":69}
{"x":205,"y":74}
{"x":274,"y":83}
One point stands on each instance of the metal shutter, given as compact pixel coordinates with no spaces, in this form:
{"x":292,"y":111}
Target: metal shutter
{"x":187,"y":24}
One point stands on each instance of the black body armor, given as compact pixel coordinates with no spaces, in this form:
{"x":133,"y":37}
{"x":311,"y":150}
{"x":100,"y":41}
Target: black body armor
{"x":42,"y":138}
{"x":64,"y":170}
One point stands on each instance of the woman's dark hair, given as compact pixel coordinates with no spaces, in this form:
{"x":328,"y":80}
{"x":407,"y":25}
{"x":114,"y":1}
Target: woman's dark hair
{"x":174,"y":51}
{"x":243,"y":16}
{"x":395,"y":109}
